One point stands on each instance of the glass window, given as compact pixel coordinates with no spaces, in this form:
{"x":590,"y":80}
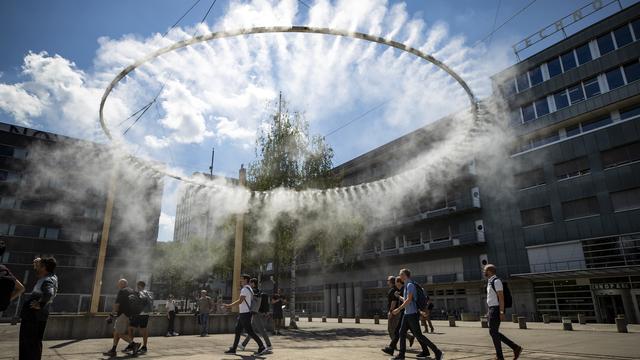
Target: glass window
{"x":580,"y":208}
{"x":536,"y":216}
{"x":591,"y":87}
{"x":4,"y":229}
{"x":4,"y":175}
{"x":535,"y":75}
{"x":545,"y":139}
{"x":629,"y":112}
{"x":605,"y":44}
{"x":584,"y":54}
{"x":554,"y":67}
{"x":614,"y":78}
{"x":576,"y":94}
{"x":562,"y":99}
{"x":439,"y":232}
{"x":7,"y":202}
{"x":573,"y":130}
{"x":621,"y":155}
{"x":632,"y":71}
{"x":626,"y":200}
{"x":542,"y":107}
{"x":523,"y":82}
{"x":6,"y":150}
{"x":27,"y":231}
{"x":596,"y":123}
{"x":568,"y":61}
{"x":572,"y":168}
{"x":509,"y":87}
{"x":623,"y":35}
{"x":530,"y":178}
{"x":33,"y":205}
{"x":636,"y":28}
{"x":527,"y":113}
{"x":52,"y":233}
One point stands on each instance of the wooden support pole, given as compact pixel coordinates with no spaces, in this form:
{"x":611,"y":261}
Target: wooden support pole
{"x":104,"y":240}
{"x":237,"y":251}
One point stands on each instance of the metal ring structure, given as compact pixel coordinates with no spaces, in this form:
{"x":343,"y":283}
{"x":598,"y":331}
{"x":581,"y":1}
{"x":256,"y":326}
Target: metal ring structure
{"x":270,"y":30}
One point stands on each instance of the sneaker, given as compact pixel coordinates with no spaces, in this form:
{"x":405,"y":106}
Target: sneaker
{"x":388,"y":350}
{"x":423,"y":355}
{"x":433,"y":330}
{"x":128,"y":348}
{"x":110,"y":353}
{"x":269,"y":348}
{"x":440,"y":356}
{"x":241,"y":347}
{"x":135,"y":347}
{"x":517,"y":352}
{"x":143,"y":350}
{"x":261,"y":351}
{"x":168,"y":334}
{"x":230,"y":351}
{"x":175,"y":334}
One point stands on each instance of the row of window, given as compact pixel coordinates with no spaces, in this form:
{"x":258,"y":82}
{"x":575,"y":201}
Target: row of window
{"x":30,"y":231}
{"x":621,"y":201}
{"x":9,"y":202}
{"x":627,"y":113}
{"x":12,"y":151}
{"x":9,"y":176}
{"x":436,"y":232}
{"x":586,"y":89}
{"x":617,"y":156}
{"x":604,"y":44}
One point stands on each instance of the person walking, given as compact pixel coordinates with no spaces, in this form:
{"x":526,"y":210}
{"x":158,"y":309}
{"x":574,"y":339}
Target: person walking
{"x":259,"y":316}
{"x":426,"y":315}
{"x":396,"y":299}
{"x":496,"y":304}
{"x":205,"y":305}
{"x":411,"y":321}
{"x":171,"y":315}
{"x":244,"y":318}
{"x":122,"y":313}
{"x":278,"y":301}
{"x":35,"y":309}
{"x":141,"y":321}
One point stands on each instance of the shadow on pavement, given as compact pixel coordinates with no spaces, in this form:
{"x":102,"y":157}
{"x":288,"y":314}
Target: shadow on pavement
{"x":334,"y":334}
{"x":66,"y":343}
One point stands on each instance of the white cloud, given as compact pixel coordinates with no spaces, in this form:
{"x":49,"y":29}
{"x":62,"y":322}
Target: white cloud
{"x":19,"y":103}
{"x":155,"y":142}
{"x":167,"y":224}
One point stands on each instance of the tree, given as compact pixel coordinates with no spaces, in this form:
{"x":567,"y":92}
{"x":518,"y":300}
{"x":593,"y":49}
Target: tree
{"x":287,"y":156}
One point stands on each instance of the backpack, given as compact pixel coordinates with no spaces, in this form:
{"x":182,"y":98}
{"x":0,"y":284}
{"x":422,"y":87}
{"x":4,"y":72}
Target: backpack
{"x":7,"y":285}
{"x":508,"y":300}
{"x":264,"y":303}
{"x":421,"y":297}
{"x":138,"y":301}
{"x":256,"y":302}
{"x":147,"y":299}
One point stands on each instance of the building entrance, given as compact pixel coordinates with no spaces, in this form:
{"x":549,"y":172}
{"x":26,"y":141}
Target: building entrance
{"x":610,"y":306}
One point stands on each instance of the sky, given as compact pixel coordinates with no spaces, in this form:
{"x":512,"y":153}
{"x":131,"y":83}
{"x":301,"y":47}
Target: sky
{"x":58,"y":56}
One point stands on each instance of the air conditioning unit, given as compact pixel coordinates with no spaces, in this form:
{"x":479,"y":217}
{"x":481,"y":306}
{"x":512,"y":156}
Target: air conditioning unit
{"x":480,"y":230}
{"x":472,"y":167}
{"x":484,"y":260}
{"x":475,"y":197}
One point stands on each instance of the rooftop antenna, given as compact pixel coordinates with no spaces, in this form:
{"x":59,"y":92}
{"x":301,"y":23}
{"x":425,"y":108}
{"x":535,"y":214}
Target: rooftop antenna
{"x":213,"y":155}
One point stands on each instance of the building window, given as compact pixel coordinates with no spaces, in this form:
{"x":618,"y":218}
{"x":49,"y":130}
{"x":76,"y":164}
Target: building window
{"x":554,"y":67}
{"x":584,"y":54}
{"x":51,"y":233}
{"x":6,"y":150}
{"x":623,"y":35}
{"x":580,"y":208}
{"x":568,"y":61}
{"x":596,"y":123}
{"x":535,"y":75}
{"x":621,"y":155}
{"x":536,"y":216}
{"x":33,"y":205}
{"x":26,"y":231}
{"x":439,"y":232}
{"x":523,"y":82}
{"x":4,"y":175}
{"x":573,"y":130}
{"x":632,"y":71}
{"x":413,"y":239}
{"x":542,"y":107}
{"x":636,"y":28}
{"x":572,"y":168}
{"x":591,"y":87}
{"x":614,"y":78}
{"x":605,"y":44}
{"x":562,"y":99}
{"x":7,"y":202}
{"x":4,"y":229}
{"x":528,"y":113}
{"x":629,"y":112}
{"x":389,"y":243}
{"x":626,"y":200}
{"x":576,"y":94}
{"x":530,"y":179}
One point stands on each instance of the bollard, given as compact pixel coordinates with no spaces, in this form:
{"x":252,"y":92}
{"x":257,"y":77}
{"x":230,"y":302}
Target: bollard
{"x":566,"y":324}
{"x":339,"y":319}
{"x":324,"y":319}
{"x":376,"y":319}
{"x":621,"y":324}
{"x":357,"y":319}
{"x":546,"y":318}
{"x":452,"y":321}
{"x":484,"y":322}
{"x":514,"y":318}
{"x":297,"y":318}
{"x":582,"y":319}
{"x":522,"y":322}
{"x":310,"y":318}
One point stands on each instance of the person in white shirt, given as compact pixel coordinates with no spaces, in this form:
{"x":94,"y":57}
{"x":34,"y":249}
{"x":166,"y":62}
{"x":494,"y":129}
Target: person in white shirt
{"x":171,"y":315}
{"x":495,"y":303}
{"x":244,"y":318}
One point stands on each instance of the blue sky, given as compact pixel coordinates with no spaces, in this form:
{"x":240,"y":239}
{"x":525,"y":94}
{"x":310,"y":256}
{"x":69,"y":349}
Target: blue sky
{"x":88,"y":36}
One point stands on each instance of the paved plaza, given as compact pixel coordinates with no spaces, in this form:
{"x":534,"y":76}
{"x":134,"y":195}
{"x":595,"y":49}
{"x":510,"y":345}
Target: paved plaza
{"x":348,"y":340}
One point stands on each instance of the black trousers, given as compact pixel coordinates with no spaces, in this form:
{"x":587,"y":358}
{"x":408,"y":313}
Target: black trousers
{"x":395,"y":336}
{"x":244,"y":323}
{"x":31,"y":334}
{"x":172,"y":321}
{"x":412,"y":322}
{"x":494,"y":331}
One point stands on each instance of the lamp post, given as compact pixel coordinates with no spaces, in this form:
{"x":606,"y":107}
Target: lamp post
{"x":237,"y":252}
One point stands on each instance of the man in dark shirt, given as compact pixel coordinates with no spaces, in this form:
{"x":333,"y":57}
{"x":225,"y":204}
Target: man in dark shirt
{"x":393,"y":323}
{"x":122,"y":313}
{"x":35,"y":309}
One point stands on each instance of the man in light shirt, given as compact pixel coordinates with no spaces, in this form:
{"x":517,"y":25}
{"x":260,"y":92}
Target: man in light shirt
{"x":495,"y":303}
{"x":244,"y":318}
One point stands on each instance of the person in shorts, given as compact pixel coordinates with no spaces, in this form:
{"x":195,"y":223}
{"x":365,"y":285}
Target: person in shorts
{"x":278,"y":301}
{"x":121,"y":312}
{"x":141,"y":320}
